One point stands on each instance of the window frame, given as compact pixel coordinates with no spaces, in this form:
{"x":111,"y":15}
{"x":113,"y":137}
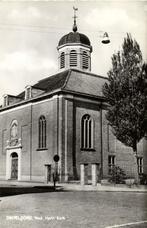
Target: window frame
{"x":112,"y":163}
{"x":140,"y":164}
{"x":87,"y":133}
{"x":42,"y":139}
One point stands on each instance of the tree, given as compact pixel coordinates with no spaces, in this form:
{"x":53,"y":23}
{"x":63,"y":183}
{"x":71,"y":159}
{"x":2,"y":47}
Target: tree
{"x":125,"y":93}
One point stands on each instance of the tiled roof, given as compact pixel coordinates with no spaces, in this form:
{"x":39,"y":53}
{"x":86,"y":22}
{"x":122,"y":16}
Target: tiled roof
{"x":85,"y":83}
{"x":71,"y":80}
{"x":51,"y":83}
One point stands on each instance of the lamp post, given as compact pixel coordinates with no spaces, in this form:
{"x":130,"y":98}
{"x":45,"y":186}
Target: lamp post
{"x":55,"y":173}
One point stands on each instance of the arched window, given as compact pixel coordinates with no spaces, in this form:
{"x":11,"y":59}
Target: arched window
{"x":87,"y":132}
{"x":62,"y":60}
{"x":73,"y":58}
{"x":85,"y":60}
{"x":42,"y":132}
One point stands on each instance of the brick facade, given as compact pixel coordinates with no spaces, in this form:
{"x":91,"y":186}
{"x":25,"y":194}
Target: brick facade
{"x":63,"y":112}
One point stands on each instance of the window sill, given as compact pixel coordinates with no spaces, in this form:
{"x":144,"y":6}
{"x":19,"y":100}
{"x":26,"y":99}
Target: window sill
{"x":87,"y":149}
{"x":40,"y":149}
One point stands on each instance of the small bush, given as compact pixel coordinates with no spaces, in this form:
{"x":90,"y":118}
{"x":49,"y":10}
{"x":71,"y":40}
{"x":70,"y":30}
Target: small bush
{"x":143,"y":178}
{"x":117,"y":175}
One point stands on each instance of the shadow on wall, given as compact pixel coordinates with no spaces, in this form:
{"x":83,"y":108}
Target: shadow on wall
{"x":15,"y":190}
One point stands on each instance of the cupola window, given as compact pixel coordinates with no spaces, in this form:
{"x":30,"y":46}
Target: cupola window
{"x":85,"y":60}
{"x":73,"y":58}
{"x":62,"y":60}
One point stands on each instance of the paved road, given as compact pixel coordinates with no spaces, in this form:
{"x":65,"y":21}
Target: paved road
{"x":73,"y":209}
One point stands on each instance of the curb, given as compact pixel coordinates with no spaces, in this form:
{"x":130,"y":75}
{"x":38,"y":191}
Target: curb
{"x":75,"y":187}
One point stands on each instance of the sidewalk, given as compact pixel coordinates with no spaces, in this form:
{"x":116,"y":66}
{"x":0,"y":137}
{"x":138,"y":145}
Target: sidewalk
{"x":105,"y":188}
{"x":76,"y":186}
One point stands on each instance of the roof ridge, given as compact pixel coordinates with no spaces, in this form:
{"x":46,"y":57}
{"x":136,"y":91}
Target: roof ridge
{"x":90,"y":73}
{"x":67,"y":78}
{"x":43,"y":79}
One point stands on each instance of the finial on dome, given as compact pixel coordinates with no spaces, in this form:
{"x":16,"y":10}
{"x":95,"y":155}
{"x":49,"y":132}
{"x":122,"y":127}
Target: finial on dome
{"x":74,"y":25}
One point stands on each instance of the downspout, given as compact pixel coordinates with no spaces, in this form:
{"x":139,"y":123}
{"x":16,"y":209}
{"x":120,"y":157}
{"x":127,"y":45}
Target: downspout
{"x":101,"y":136}
{"x":31,"y":145}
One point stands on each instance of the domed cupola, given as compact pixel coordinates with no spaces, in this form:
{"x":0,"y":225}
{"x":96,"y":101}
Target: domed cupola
{"x":74,"y":50}
{"x":74,"y":37}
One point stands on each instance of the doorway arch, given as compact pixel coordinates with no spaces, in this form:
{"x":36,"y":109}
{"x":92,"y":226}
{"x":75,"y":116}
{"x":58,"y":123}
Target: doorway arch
{"x":13,"y":163}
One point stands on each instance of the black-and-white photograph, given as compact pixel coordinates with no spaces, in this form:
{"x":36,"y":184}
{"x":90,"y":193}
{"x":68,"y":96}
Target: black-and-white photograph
{"x":73,"y":114}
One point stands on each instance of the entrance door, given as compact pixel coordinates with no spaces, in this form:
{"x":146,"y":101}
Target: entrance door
{"x":14,"y":166}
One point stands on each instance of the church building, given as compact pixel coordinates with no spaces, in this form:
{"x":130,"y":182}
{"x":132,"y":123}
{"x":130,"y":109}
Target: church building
{"x":64,"y":115}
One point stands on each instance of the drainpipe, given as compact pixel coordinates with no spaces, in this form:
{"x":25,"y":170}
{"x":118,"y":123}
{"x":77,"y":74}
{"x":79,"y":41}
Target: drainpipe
{"x":31,"y":145}
{"x":101,"y":139}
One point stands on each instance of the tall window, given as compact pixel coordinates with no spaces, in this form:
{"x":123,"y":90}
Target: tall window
{"x":111,"y":163}
{"x":62,"y":60}
{"x":73,"y":58}
{"x":42,"y":132}
{"x":87,"y":132}
{"x":140,"y":165}
{"x":85,"y":60}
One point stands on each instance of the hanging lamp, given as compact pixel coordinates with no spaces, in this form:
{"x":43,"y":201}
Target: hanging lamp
{"x":105,"y":39}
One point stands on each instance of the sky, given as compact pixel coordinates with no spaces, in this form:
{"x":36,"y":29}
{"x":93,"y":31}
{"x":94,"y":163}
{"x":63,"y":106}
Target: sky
{"x":30,"y":32}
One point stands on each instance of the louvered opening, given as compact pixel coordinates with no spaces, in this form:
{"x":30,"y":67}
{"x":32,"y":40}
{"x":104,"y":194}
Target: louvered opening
{"x":85,"y":60}
{"x":73,"y":58}
{"x":62,"y":60}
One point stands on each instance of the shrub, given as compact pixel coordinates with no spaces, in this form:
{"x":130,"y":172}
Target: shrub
{"x":143,"y":178}
{"x":117,"y":175}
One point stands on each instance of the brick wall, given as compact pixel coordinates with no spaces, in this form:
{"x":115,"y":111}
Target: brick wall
{"x":84,"y":156}
{"x":23,"y":118}
{"x":63,"y":117}
{"x":33,"y":160}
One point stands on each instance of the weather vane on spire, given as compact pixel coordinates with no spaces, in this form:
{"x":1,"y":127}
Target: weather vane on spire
{"x":75,"y":26}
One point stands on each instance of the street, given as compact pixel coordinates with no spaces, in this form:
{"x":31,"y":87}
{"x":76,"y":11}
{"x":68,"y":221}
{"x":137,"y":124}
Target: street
{"x":73,"y":209}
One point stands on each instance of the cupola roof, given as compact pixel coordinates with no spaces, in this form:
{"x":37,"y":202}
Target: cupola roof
{"x":74,"y":37}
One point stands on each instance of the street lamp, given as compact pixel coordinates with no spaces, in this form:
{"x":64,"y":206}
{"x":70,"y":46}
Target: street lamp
{"x":105,"y":39}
